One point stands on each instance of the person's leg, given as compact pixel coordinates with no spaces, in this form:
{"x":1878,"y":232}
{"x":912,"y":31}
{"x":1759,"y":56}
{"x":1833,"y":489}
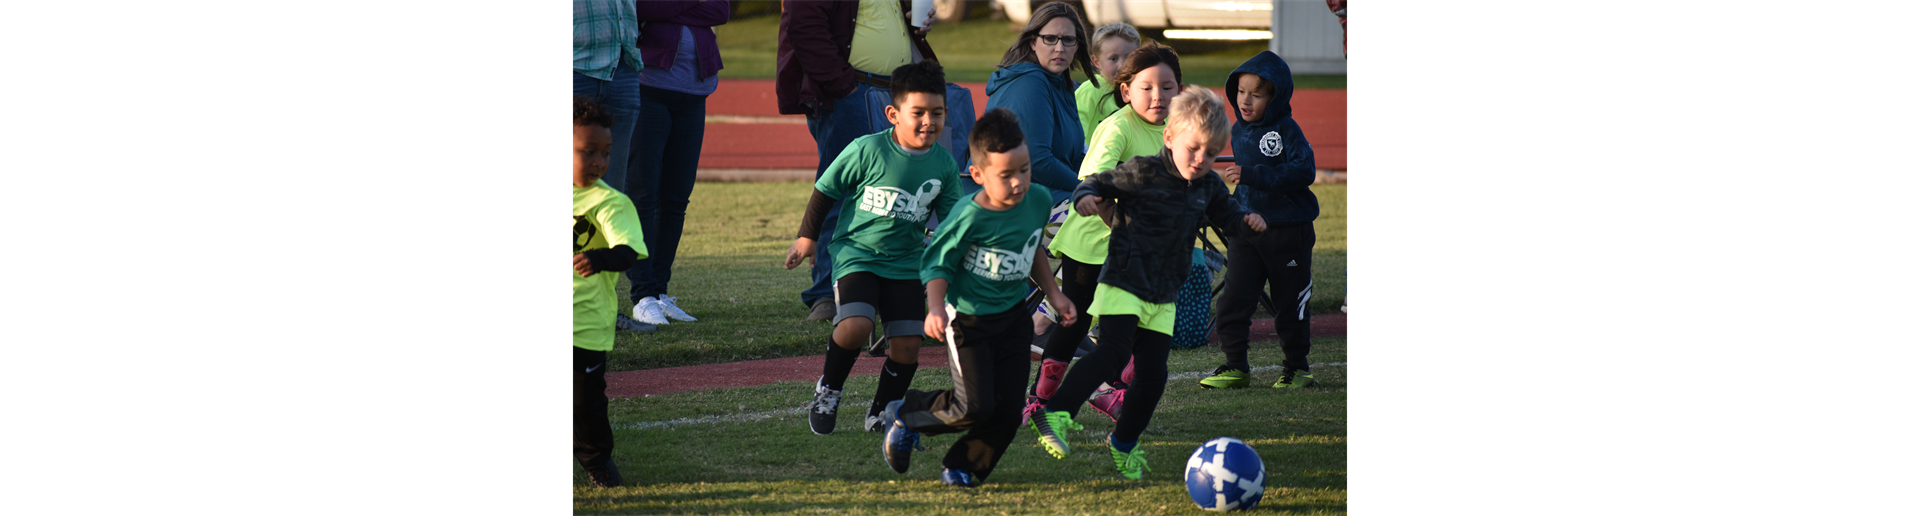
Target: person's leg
{"x":1292,"y":248}
{"x":1116,"y":347}
{"x":982,"y":447}
{"x":904,"y":308}
{"x":970,"y":401}
{"x":850,"y":119}
{"x":1150,"y":350}
{"x":592,"y":431}
{"x":1077,"y":281}
{"x":650,"y":146}
{"x":1246,"y":279}
{"x":677,"y":172}
{"x":621,"y":98}
{"x":857,"y":293}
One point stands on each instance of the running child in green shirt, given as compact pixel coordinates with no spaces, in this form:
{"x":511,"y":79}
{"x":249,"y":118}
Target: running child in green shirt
{"x":892,"y":181}
{"x":1145,"y":84}
{"x":606,"y":239}
{"x":976,"y":271}
{"x":1162,"y":200}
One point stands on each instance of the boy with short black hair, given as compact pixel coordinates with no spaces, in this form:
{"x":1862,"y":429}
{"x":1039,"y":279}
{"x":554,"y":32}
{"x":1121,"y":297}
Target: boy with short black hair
{"x":1274,"y":166}
{"x":1161,"y":201}
{"x":606,"y":238}
{"x":976,"y":271}
{"x":892,"y":180}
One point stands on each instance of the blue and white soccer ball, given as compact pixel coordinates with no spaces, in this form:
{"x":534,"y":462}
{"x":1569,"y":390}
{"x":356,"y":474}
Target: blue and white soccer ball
{"x":1226,"y":475}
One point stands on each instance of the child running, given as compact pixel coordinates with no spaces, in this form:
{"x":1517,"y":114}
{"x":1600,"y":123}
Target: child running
{"x":1146,"y":84}
{"x":976,"y":271}
{"x":606,"y":239}
{"x":891,"y":179}
{"x":1162,"y":200}
{"x":1112,"y":43}
{"x":1273,"y":164}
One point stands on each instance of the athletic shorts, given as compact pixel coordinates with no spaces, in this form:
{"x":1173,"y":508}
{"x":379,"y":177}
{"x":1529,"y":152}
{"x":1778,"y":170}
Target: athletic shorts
{"x":1111,"y":300}
{"x":901,"y":303}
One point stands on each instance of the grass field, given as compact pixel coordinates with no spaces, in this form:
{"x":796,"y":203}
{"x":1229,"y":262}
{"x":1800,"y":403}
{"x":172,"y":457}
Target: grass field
{"x":728,"y":274}
{"x":748,"y":450}
{"x":970,"y":51}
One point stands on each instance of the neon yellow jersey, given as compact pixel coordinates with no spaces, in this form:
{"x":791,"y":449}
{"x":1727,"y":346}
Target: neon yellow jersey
{"x":880,"y":42}
{"x":1093,"y":106}
{"x":1122,"y":136}
{"x":602,"y":218}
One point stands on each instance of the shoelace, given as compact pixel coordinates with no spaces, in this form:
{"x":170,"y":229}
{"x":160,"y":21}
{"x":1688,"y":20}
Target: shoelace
{"x":912,"y":441}
{"x":1137,"y":456}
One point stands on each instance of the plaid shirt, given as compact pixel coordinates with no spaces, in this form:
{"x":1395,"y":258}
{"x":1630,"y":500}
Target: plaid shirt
{"x":605,"y":34}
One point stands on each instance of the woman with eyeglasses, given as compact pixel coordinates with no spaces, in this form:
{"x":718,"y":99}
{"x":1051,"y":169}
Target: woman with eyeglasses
{"x":1033,"y":82}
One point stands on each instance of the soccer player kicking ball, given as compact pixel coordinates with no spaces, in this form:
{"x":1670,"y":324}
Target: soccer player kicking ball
{"x":976,"y":271}
{"x":1162,"y":200}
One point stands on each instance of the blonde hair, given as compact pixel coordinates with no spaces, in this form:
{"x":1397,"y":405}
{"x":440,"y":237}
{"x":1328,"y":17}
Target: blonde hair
{"x":1113,"y":30}
{"x":1199,"y":109}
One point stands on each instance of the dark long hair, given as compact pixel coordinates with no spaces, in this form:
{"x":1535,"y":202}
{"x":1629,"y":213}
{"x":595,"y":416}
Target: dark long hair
{"x":1022,"y":51}
{"x":1149,"y":55}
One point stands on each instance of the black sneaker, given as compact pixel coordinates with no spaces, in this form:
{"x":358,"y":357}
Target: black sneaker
{"x":900,"y":442}
{"x":824,"y":410}
{"x":606,"y":476}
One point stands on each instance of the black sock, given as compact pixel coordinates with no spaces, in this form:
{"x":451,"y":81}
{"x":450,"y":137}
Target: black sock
{"x":839,"y":363}
{"x":895,"y":377}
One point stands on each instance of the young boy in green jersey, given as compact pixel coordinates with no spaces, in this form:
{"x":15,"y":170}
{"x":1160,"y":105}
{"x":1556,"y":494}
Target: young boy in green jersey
{"x":976,"y":271}
{"x":1161,"y":201}
{"x":891,"y":181}
{"x":606,"y":239}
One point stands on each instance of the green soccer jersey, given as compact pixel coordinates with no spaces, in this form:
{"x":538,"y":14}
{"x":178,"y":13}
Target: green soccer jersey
{"x":886,"y":195}
{"x":1120,"y":137}
{"x":986,"y":255}
{"x":602,"y":218}
{"x":1092,"y":103}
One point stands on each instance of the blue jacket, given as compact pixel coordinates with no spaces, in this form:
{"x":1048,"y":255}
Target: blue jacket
{"x":1276,"y":164}
{"x":1050,"y":120}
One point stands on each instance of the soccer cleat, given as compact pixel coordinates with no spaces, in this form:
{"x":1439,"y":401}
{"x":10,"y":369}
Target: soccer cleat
{"x":1132,"y":465}
{"x":1108,"y":401}
{"x":605,"y":477}
{"x":1049,"y":425}
{"x":959,"y":477}
{"x":647,"y":310}
{"x":824,"y":410}
{"x":1034,"y":406}
{"x":672,"y":311}
{"x":900,"y":442}
{"x":624,"y":323}
{"x":823,"y":310}
{"x":1227,"y":377}
{"x":1294,"y":379}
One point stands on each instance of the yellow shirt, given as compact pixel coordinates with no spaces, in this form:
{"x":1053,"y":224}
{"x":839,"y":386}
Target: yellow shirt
{"x":1122,"y":136}
{"x":880,"y":41}
{"x":602,"y":218}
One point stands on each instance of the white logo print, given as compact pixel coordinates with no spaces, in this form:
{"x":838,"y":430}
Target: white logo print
{"x":1003,"y":265}
{"x":887,"y":201}
{"x":1270,"y":144}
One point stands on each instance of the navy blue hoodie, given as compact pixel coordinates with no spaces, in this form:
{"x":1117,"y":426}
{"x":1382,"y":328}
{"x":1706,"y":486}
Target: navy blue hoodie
{"x":1276,"y":164}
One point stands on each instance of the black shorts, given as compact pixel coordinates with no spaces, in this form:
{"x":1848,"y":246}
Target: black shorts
{"x":901,"y":303}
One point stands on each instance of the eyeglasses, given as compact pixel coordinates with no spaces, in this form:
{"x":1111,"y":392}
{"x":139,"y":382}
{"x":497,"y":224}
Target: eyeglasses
{"x":1067,"y":41}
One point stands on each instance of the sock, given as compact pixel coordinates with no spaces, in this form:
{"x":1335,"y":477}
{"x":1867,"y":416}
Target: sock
{"x":839,"y":363}
{"x":1051,"y":371}
{"x":895,"y":377}
{"x":1124,"y":447}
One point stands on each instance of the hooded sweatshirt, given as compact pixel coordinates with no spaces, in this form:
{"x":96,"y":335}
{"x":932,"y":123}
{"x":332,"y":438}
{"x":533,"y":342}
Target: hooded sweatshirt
{"x":1050,"y":119}
{"x":1276,"y":164}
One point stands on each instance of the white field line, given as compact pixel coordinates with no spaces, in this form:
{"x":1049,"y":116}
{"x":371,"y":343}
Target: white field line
{"x":756,"y":416}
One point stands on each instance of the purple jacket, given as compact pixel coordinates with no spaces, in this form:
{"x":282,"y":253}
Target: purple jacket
{"x":660,"y":24}
{"x":816,"y":37}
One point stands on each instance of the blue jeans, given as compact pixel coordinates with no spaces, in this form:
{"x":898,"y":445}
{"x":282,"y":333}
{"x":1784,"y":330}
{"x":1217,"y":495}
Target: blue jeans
{"x":861,"y":113}
{"x":621,"y":98}
{"x":666,"y":152}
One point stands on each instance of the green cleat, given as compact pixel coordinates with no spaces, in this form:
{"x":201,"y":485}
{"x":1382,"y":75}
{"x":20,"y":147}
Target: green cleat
{"x":1049,"y":422}
{"x":1294,"y":379}
{"x":1227,"y":377}
{"x":1132,"y":465}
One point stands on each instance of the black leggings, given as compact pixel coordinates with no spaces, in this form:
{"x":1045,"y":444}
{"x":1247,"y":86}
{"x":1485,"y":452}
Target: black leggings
{"x":1077,"y":282}
{"x":1120,"y":339}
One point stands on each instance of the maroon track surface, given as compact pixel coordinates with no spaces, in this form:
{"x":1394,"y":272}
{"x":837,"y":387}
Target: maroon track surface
{"x":1322,"y":115}
{"x":648,"y":382}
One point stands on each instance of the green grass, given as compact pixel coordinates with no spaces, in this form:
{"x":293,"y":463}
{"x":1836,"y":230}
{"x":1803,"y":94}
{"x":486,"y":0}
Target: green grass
{"x":970,"y":51}
{"x":728,"y":274}
{"x":773,"y":464}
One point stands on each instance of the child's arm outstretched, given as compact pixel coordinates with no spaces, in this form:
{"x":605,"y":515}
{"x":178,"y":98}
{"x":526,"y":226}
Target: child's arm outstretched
{"x":803,"y":246}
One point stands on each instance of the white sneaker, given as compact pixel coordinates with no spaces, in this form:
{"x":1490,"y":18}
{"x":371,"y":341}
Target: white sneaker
{"x":648,"y":311}
{"x":666,"y":306}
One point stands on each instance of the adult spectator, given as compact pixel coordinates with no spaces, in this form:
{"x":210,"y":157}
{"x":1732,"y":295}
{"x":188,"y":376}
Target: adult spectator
{"x":1034,"y":82}
{"x":682,"y":66}
{"x":832,"y":64}
{"x":606,"y":68}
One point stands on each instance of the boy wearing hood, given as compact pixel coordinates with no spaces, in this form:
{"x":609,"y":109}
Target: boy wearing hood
{"x":1273,"y":164}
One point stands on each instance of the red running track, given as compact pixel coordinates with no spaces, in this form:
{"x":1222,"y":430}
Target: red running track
{"x":1322,"y":115}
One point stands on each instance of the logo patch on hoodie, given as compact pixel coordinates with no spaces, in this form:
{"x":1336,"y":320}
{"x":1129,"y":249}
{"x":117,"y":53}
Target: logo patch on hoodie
{"x":1270,"y":144}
